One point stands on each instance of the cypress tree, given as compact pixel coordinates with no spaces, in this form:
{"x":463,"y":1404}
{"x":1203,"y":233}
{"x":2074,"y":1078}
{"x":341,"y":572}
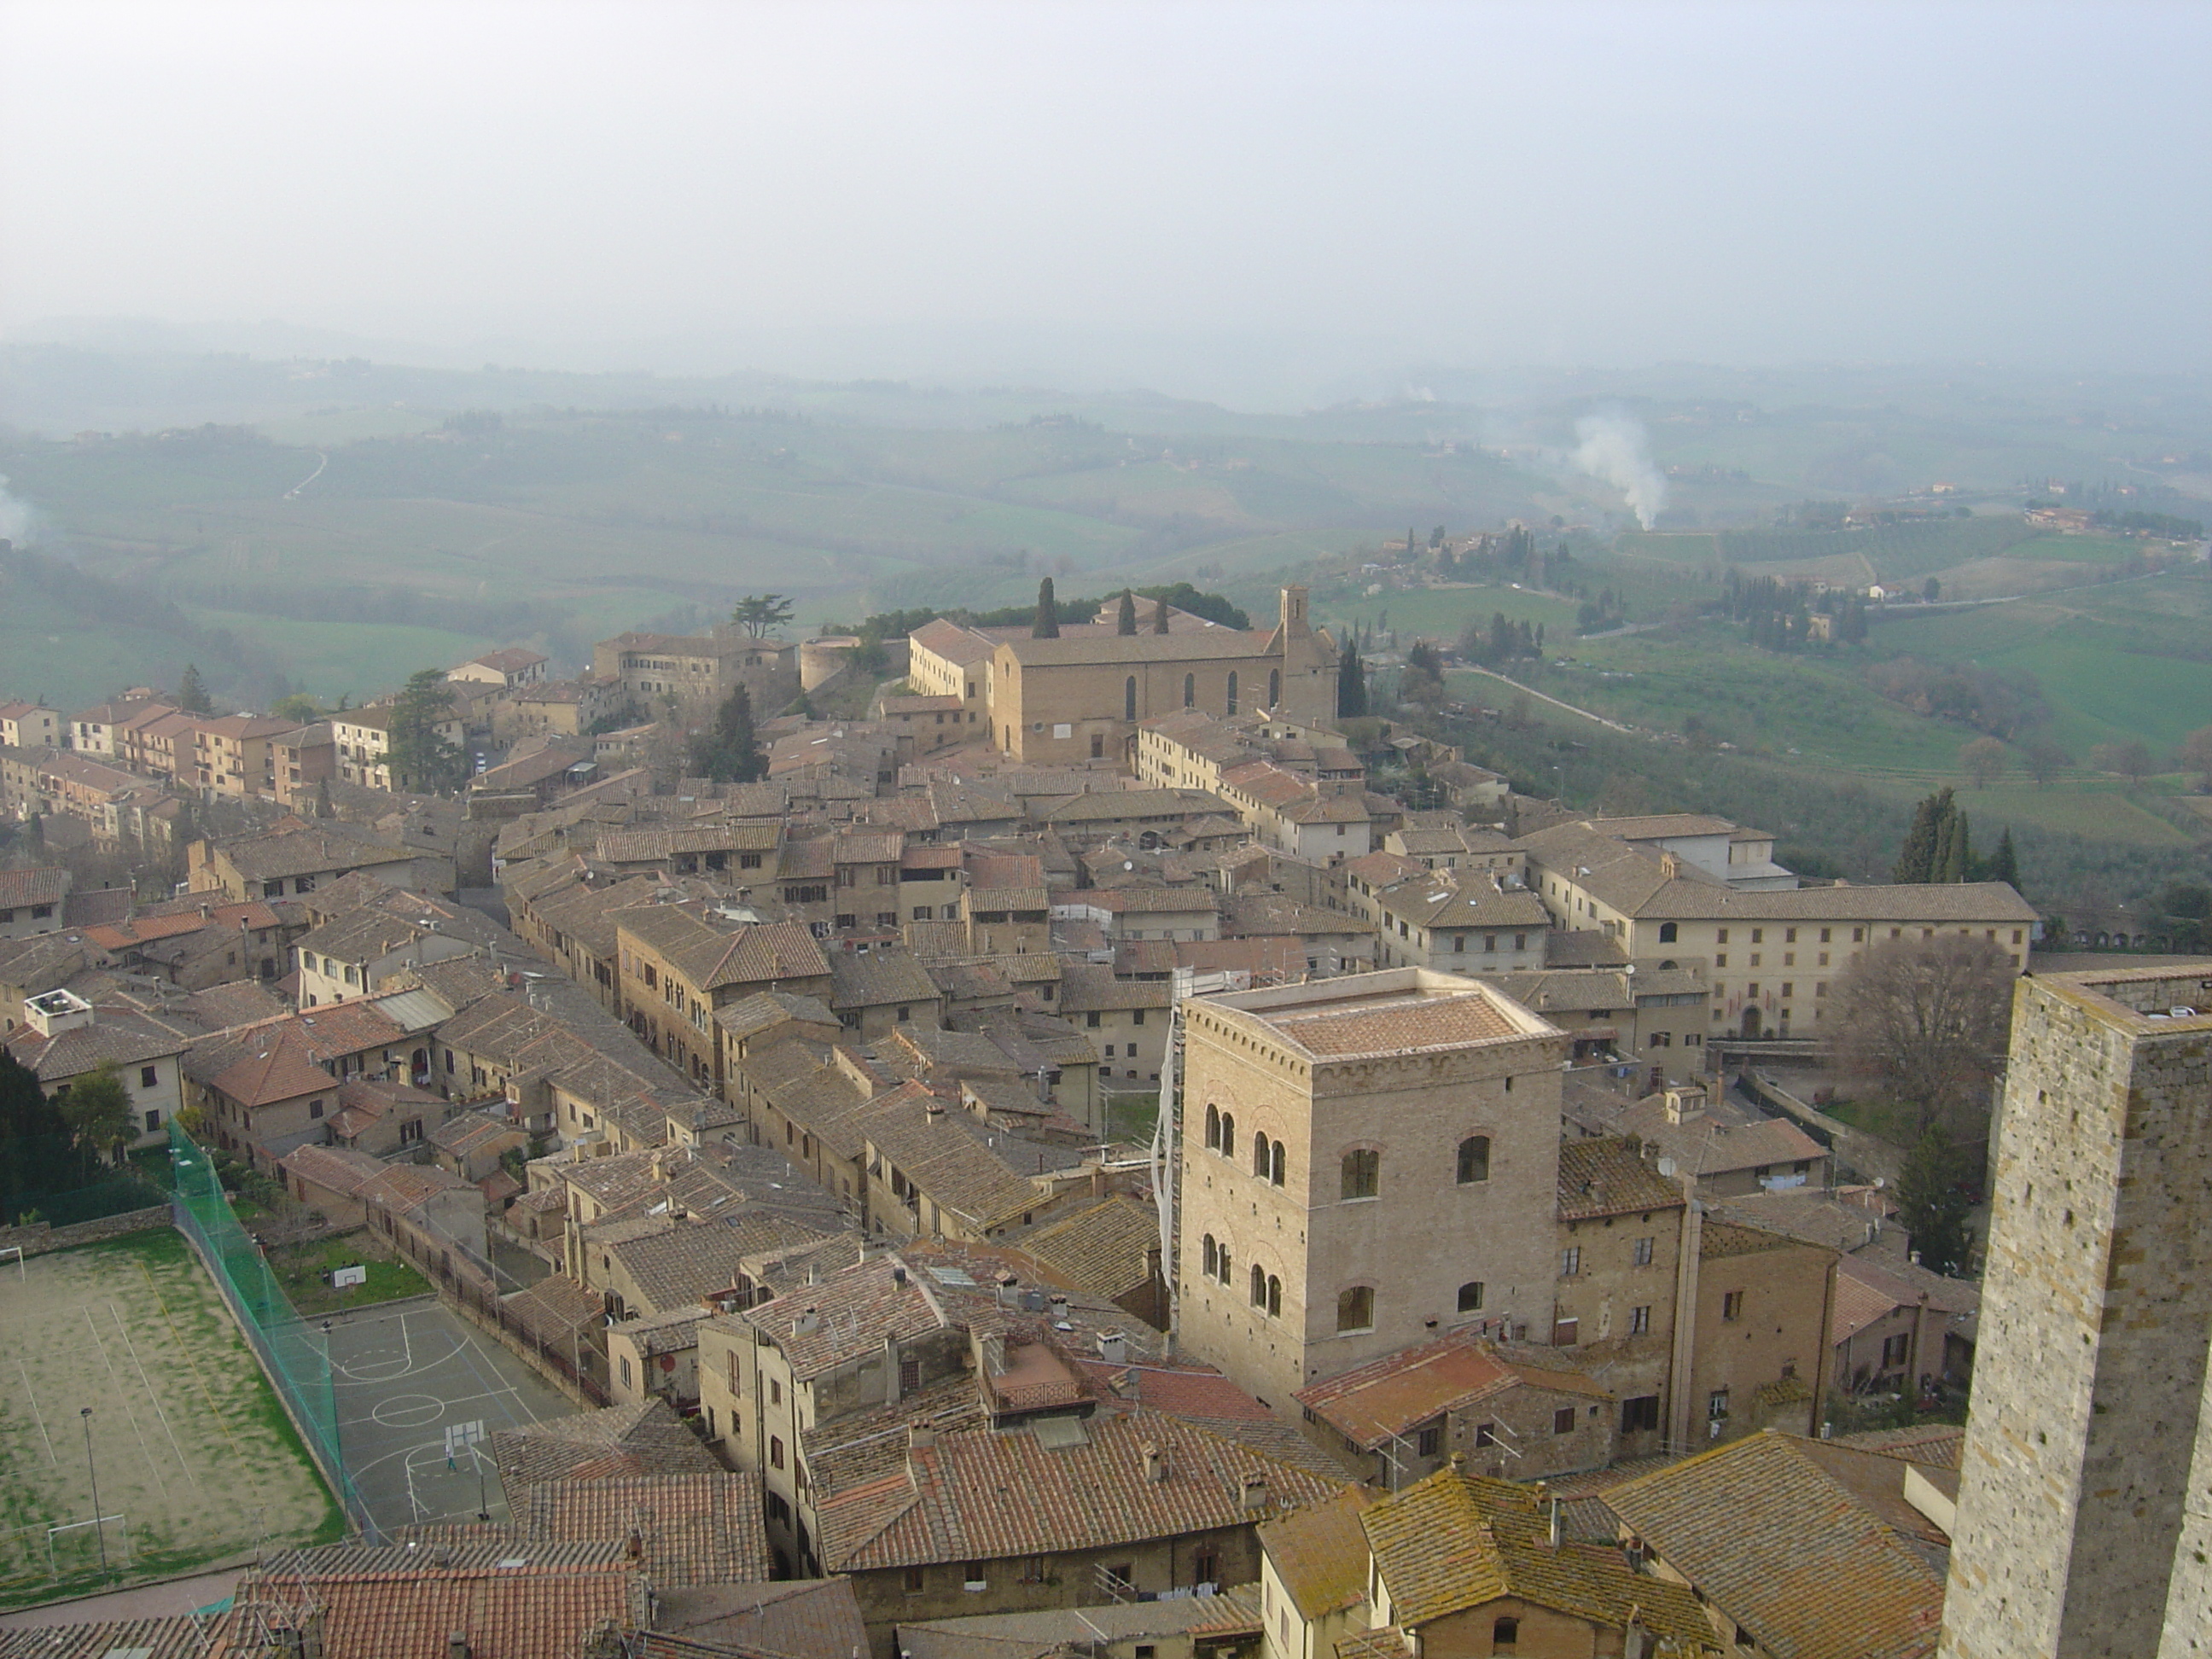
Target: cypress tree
{"x":192,"y":692}
{"x":2004,"y":864}
{"x":1915,"y":861}
{"x":1351,"y":684}
{"x":1047,"y":625}
{"x":1126,"y":622}
{"x":1957,"y":850}
{"x":1160,"y":614}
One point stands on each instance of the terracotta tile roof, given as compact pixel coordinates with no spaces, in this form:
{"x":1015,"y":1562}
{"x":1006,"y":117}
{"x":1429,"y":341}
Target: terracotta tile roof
{"x":801,"y":1618}
{"x":1104,"y":1249}
{"x":1789,"y":1550}
{"x":695,"y":1529}
{"x":1372,"y":1017}
{"x":44,"y":885}
{"x":879,"y":979}
{"x":1321,"y":1553}
{"x":1936,"y":1445}
{"x":178,"y":1637}
{"x":1454,"y":1541}
{"x":1606,"y":1176}
{"x":615,"y":1443}
{"x":847,"y":1316}
{"x":539,"y":1600}
{"x":334,"y":1168}
{"x":953,"y":1506}
{"x":1395,"y":1393}
{"x":116,"y":1036}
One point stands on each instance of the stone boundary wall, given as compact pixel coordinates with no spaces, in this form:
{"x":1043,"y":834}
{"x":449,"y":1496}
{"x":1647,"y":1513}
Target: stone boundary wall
{"x":1868,"y":1156}
{"x":38,"y":1238}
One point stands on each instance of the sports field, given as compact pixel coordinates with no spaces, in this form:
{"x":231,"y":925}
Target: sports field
{"x":194,"y":1460}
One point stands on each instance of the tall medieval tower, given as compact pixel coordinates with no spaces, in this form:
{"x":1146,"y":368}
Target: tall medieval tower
{"x":2085,"y":1502}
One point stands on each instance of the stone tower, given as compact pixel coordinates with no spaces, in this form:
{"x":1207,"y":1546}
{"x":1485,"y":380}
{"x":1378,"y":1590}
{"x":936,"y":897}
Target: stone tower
{"x":2085,"y":1502}
{"x":1366,"y":1162}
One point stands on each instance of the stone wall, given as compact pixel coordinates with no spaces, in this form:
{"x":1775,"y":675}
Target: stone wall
{"x":2073,"y":1535}
{"x":38,"y":1238}
{"x":1867,"y":1155}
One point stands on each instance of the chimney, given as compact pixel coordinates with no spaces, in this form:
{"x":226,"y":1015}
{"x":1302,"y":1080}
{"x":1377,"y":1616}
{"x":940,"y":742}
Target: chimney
{"x":920,"y":1438}
{"x":807,"y":1322}
{"x":1253,"y":1494}
{"x":1156,"y":1463}
{"x":891,"y":1368}
{"x":457,"y":1645}
{"x":1670,"y":865}
{"x":1112,"y":1347}
{"x":1555,"y":1520}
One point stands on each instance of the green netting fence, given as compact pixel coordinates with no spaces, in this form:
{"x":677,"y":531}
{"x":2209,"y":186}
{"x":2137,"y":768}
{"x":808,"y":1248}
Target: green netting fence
{"x":294,"y":1352}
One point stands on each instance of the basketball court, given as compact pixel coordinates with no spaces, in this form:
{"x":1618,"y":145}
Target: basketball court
{"x":419,"y":1393}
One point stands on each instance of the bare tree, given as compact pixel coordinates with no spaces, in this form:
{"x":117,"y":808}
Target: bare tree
{"x":2044,"y":759}
{"x":2131,"y":760}
{"x":2196,"y":755}
{"x":1984,"y":761}
{"x":1931,"y":1018}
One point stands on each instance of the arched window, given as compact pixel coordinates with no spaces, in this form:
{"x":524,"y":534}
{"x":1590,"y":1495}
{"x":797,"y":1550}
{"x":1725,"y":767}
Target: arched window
{"x":1667,"y":932}
{"x":1129,"y":698}
{"x":1355,"y":1309}
{"x":1211,"y":1254}
{"x":1474,"y":1160}
{"x":1259,"y":1144}
{"x":1222,"y":1265}
{"x":1213,"y":1128}
{"x":1362,"y":1174}
{"x":1229,"y":1134}
{"x":1189,"y":690}
{"x":1274,"y":1297}
{"x":1275,"y":1164}
{"x":1470,"y":1294}
{"x":1259,"y":1286}
{"x":1274,"y":688}
{"x":1229,"y":707}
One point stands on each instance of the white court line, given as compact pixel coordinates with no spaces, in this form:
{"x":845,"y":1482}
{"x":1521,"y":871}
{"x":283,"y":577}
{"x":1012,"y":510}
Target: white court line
{"x":451,"y":1404}
{"x":468,"y":1347}
{"x":152,"y":1395}
{"x":31,"y":1396}
{"x":145,"y":1451}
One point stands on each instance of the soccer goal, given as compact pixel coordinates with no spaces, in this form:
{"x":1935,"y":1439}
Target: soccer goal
{"x":15,"y":1250}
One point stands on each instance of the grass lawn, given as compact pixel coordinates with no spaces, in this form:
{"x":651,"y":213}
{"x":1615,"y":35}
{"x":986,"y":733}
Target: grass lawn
{"x":190,"y":1449}
{"x":300,"y":1269}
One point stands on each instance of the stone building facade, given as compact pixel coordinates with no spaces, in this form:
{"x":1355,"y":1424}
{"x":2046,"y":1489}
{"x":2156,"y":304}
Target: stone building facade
{"x":2085,"y":1502}
{"x":1366,"y":1162}
{"x":693,"y":674}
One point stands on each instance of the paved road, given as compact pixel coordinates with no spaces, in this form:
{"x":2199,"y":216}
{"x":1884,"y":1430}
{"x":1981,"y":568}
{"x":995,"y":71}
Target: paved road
{"x":165,"y":1600}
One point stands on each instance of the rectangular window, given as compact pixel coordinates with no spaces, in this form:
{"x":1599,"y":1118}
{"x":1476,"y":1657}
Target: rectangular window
{"x":775,"y":1451}
{"x":1485,"y":1434}
{"x":1788,"y":989}
{"x":1640,"y":1415}
{"x":148,"y":1076}
{"x":1432,"y":1440}
{"x":1563,"y":1420}
{"x":1565,"y":1332}
{"x":1759,"y":936}
{"x":1720,"y":959}
{"x":1640,"y":1252}
{"x":1639,"y":1321}
{"x":1716,"y":1405}
{"x":1720,"y":936}
{"x":1732,"y":1306}
{"x":1570,"y":1261}
{"x":1893,"y":1350}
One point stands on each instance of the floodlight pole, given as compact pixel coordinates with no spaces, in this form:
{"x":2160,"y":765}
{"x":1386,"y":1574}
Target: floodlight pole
{"x":93,"y":1469}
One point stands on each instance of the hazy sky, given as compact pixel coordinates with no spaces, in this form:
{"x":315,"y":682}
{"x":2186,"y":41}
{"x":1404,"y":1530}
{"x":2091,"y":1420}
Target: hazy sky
{"x":965,"y":189}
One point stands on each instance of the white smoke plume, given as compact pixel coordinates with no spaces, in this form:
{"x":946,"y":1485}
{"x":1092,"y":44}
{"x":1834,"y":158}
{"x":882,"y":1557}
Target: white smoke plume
{"x":1611,"y":445}
{"x":16,"y":523}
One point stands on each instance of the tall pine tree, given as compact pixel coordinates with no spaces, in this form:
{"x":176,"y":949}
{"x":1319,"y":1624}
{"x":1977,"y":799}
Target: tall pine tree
{"x":2005,"y":863}
{"x":192,"y":692}
{"x":729,"y":752}
{"x":1915,"y":861}
{"x":1160,"y":614}
{"x":1047,"y":625}
{"x":1351,"y":684}
{"x":1125,"y":623}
